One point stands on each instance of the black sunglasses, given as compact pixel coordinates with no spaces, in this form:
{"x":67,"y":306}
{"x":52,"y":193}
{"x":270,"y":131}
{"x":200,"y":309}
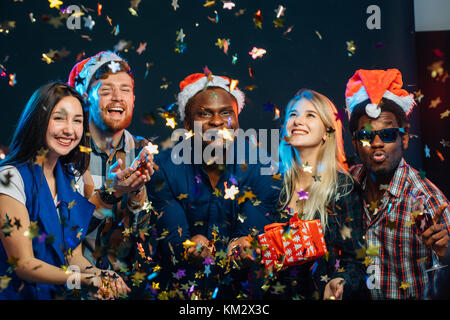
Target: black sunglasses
{"x":387,"y":135}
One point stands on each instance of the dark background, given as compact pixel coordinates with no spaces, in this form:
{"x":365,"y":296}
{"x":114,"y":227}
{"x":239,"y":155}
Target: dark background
{"x":433,"y":47}
{"x":293,"y":61}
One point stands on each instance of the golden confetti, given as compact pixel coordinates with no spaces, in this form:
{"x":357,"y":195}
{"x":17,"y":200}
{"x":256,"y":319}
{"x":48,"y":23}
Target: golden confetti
{"x":436,"y":69}
{"x":373,"y":250}
{"x":41,"y":156}
{"x":404,"y":285}
{"x":55,"y":3}
{"x":170,"y":122}
{"x":85,"y":149}
{"x":182,"y":196}
{"x":233,"y":84}
{"x":209,"y":3}
{"x":368,"y":261}
{"x":445,"y":114}
{"x":351,"y":48}
{"x":434,"y":103}
{"x":365,"y":142}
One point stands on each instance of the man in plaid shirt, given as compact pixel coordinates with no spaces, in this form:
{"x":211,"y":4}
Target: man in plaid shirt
{"x":397,"y":253}
{"x":117,"y":235}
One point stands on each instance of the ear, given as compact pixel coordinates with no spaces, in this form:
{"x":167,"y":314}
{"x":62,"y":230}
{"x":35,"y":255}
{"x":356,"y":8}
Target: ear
{"x":405,"y":137}
{"x":187,"y":123}
{"x":355,"y":145}
{"x":237,"y":122}
{"x":325,"y":136}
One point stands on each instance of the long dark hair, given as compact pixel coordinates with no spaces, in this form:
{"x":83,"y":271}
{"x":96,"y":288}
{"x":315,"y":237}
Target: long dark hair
{"x":30,"y":133}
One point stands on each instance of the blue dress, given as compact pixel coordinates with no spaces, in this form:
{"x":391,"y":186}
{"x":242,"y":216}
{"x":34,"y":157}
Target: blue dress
{"x":56,"y":234}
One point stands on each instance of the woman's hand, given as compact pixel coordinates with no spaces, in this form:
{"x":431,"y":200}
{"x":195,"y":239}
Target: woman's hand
{"x":109,"y":285}
{"x":334,"y":289}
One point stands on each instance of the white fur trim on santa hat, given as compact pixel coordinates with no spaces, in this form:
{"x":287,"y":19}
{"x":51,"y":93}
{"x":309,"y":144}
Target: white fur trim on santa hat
{"x":191,"y":90}
{"x":92,"y":66}
{"x":373,"y":110}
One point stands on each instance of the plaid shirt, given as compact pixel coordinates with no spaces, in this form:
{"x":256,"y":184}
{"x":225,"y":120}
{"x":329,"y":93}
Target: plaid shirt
{"x":402,"y":257}
{"x":110,"y":240}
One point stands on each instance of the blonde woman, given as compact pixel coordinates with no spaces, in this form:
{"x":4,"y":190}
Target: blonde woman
{"x":316,"y":185}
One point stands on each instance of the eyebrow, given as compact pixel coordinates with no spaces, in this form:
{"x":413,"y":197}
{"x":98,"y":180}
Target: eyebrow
{"x":220,"y":108}
{"x":64,"y":113}
{"x":111,"y":85}
{"x":386,"y":123}
{"x":307,"y":110}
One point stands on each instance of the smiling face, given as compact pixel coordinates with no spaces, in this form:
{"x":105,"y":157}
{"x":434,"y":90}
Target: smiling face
{"x":112,"y":102}
{"x":381,"y":158}
{"x":214,"y":108}
{"x":304,"y":126}
{"x":65,"y":127}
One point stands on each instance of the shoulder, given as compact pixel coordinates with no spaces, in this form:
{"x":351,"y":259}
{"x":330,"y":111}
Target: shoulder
{"x":167,"y":169}
{"x":137,"y":141}
{"x":10,"y":173}
{"x":345,"y":183}
{"x":163,"y":158}
{"x":356,"y":171}
{"x":11,"y":183}
{"x":425,"y":186}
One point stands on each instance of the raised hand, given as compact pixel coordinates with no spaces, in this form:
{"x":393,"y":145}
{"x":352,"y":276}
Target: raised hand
{"x":437,"y":235}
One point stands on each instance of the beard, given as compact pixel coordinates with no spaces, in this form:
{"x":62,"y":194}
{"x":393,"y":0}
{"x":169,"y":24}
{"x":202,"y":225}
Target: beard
{"x":381,"y":174}
{"x":117,"y":125}
{"x":103,"y":121}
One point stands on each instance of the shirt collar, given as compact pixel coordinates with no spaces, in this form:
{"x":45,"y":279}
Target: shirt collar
{"x":120,"y":146}
{"x":397,"y":184}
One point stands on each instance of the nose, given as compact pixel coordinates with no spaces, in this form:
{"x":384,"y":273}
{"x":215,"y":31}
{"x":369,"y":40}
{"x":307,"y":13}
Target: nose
{"x":216,"y":121}
{"x":299,"y":119}
{"x":116,"y":95}
{"x":377,"y":142}
{"x":68,"y":129}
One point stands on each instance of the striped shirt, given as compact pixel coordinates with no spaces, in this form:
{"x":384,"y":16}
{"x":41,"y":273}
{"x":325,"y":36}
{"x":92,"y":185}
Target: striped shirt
{"x":398,"y":257}
{"x":108,"y":244}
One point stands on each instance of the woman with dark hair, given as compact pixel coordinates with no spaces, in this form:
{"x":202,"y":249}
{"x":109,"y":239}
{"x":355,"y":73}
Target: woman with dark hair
{"x":43,"y":218}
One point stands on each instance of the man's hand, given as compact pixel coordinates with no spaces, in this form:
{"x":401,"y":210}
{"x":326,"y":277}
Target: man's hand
{"x":238,"y":250}
{"x":206,"y":249}
{"x":125,"y":181}
{"x":437,"y":236}
{"x":334,"y":289}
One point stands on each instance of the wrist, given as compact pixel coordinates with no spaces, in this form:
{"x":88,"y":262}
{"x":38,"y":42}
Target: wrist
{"x":233,"y":240}
{"x":86,"y":279}
{"x":107,"y":197}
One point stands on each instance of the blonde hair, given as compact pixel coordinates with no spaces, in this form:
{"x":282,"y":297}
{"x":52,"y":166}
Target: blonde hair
{"x":331,"y":159}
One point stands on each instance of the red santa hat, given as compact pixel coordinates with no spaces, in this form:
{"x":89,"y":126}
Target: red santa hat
{"x":82,"y":72}
{"x":199,"y":81}
{"x":375,"y":85}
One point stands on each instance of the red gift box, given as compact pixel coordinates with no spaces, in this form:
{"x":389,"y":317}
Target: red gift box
{"x":303,"y":241}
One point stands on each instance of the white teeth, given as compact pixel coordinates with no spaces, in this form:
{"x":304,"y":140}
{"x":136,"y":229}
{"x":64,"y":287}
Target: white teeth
{"x":116,"y":109}
{"x":65,"y":141}
{"x":299,"y":131}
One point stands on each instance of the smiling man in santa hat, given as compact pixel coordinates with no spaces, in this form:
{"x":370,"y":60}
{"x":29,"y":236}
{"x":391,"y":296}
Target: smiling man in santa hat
{"x":208,"y":208}
{"x":400,"y":244}
{"x":117,"y":188}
